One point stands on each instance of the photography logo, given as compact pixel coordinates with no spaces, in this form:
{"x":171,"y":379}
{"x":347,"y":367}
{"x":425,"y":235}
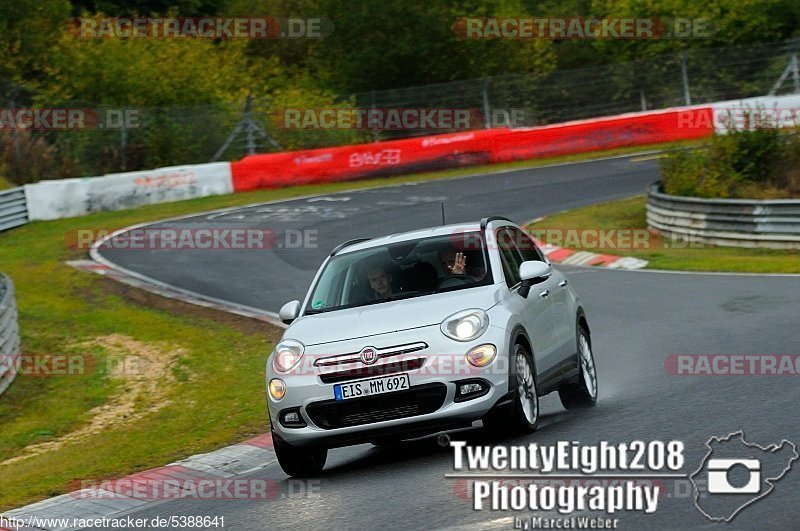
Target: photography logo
{"x":735,"y":473}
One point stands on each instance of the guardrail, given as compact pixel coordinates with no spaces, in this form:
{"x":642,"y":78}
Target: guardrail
{"x":9,"y":333}
{"x":772,"y":223}
{"x":13,"y":208}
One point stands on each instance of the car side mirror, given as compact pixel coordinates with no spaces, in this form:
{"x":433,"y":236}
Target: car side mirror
{"x":289,"y":311}
{"x":533,"y":272}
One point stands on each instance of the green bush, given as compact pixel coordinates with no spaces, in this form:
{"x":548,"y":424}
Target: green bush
{"x":757,"y":161}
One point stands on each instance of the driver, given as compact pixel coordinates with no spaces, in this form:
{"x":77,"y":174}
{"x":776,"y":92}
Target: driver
{"x":455,"y":263}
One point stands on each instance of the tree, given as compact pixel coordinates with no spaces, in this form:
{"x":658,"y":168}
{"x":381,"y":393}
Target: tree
{"x":28,"y":28}
{"x":395,"y":43}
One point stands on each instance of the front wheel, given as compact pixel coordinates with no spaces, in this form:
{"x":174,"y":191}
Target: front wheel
{"x":297,"y":461}
{"x":583,"y":392}
{"x":523,"y":416}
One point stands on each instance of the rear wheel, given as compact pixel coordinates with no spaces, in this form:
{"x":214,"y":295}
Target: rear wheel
{"x":523,"y":416}
{"x":583,"y":392}
{"x":298,"y":461}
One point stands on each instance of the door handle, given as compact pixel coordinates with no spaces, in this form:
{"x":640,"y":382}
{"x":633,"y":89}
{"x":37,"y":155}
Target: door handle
{"x":544,"y":293}
{"x":563,"y":283}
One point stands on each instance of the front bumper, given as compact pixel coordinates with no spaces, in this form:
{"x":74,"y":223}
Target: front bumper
{"x":431,"y":404}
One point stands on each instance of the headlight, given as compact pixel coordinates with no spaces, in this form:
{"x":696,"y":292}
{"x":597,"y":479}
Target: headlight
{"x":287,"y":355}
{"x":466,"y":325}
{"x":277,"y":389}
{"x":482,"y":355}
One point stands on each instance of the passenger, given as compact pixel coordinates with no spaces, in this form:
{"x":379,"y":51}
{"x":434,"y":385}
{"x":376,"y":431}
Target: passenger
{"x":380,"y":280}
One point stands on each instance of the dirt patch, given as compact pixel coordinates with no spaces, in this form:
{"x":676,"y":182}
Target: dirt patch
{"x":143,"y":374}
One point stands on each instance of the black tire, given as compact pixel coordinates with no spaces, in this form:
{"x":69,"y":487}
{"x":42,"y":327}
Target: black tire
{"x":577,"y":394}
{"x":298,"y":461}
{"x":523,"y":415}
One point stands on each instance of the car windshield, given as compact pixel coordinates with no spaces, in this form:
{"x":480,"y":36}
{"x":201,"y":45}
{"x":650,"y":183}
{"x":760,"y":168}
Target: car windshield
{"x":401,"y":270}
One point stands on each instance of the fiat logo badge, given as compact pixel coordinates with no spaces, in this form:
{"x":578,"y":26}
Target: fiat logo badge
{"x":369,"y":356}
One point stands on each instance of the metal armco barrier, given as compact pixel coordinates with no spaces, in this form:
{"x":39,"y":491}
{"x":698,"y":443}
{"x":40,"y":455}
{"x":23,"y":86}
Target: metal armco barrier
{"x":773,"y":223}
{"x":9,"y":333}
{"x":13,"y":208}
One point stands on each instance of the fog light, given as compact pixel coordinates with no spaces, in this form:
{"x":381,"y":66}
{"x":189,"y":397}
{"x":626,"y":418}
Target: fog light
{"x":469,"y":388}
{"x":482,"y":355}
{"x":291,"y":418}
{"x":277,"y":389}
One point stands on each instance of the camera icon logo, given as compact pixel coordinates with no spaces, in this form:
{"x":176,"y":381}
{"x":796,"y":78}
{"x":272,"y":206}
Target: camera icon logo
{"x":736,"y":473}
{"x":718,"y":476}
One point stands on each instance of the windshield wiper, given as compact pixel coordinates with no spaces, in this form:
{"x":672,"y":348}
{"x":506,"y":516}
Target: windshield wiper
{"x":403,"y":295}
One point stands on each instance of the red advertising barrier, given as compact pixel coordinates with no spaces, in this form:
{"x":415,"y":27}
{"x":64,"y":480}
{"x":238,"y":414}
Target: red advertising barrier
{"x":362,"y":160}
{"x":463,"y":149}
{"x":603,"y":133}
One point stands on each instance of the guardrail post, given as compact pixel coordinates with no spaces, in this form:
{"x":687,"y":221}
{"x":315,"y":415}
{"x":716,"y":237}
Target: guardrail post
{"x":123,"y":139}
{"x":792,"y":68}
{"x":487,"y":117}
{"x":374,"y":128}
{"x":685,"y":76}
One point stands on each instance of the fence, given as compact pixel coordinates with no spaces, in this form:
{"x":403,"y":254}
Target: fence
{"x":694,"y":77}
{"x":726,"y":222}
{"x":13,"y":208}
{"x":167,"y":136}
{"x":9,"y":333}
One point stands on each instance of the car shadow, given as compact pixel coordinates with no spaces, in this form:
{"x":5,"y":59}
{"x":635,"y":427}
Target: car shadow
{"x":432,"y":445}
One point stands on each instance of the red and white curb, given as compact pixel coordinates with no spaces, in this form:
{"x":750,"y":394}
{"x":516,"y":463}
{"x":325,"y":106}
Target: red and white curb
{"x":205,"y":476}
{"x":562,"y":256}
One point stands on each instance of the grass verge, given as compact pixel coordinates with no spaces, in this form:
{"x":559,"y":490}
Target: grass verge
{"x":190,"y":382}
{"x":630,"y":213}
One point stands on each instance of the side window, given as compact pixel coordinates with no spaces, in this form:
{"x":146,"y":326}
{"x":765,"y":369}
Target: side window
{"x":526,"y":245}
{"x":509,"y":255}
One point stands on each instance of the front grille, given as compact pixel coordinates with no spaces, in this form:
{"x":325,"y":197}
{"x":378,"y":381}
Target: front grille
{"x":419,"y":400}
{"x":382,"y":352}
{"x":372,"y":370}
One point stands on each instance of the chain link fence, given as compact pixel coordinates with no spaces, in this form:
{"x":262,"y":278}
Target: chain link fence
{"x":127,"y":139}
{"x":693,"y":77}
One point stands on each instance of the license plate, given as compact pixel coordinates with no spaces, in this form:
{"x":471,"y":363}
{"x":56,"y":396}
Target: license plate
{"x":375,"y":386}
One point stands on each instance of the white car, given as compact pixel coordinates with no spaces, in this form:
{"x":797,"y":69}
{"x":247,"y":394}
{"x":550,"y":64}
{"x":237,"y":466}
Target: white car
{"x":416,"y":333}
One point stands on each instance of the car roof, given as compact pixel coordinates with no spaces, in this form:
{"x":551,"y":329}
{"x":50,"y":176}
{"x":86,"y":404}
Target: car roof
{"x":443,"y":230}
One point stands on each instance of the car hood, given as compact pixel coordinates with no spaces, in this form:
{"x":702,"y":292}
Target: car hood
{"x":388,"y":317}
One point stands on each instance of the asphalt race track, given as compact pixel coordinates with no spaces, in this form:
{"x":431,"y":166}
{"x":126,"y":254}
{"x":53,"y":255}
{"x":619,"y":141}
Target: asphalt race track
{"x":638,"y":319}
{"x":267,"y":279}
